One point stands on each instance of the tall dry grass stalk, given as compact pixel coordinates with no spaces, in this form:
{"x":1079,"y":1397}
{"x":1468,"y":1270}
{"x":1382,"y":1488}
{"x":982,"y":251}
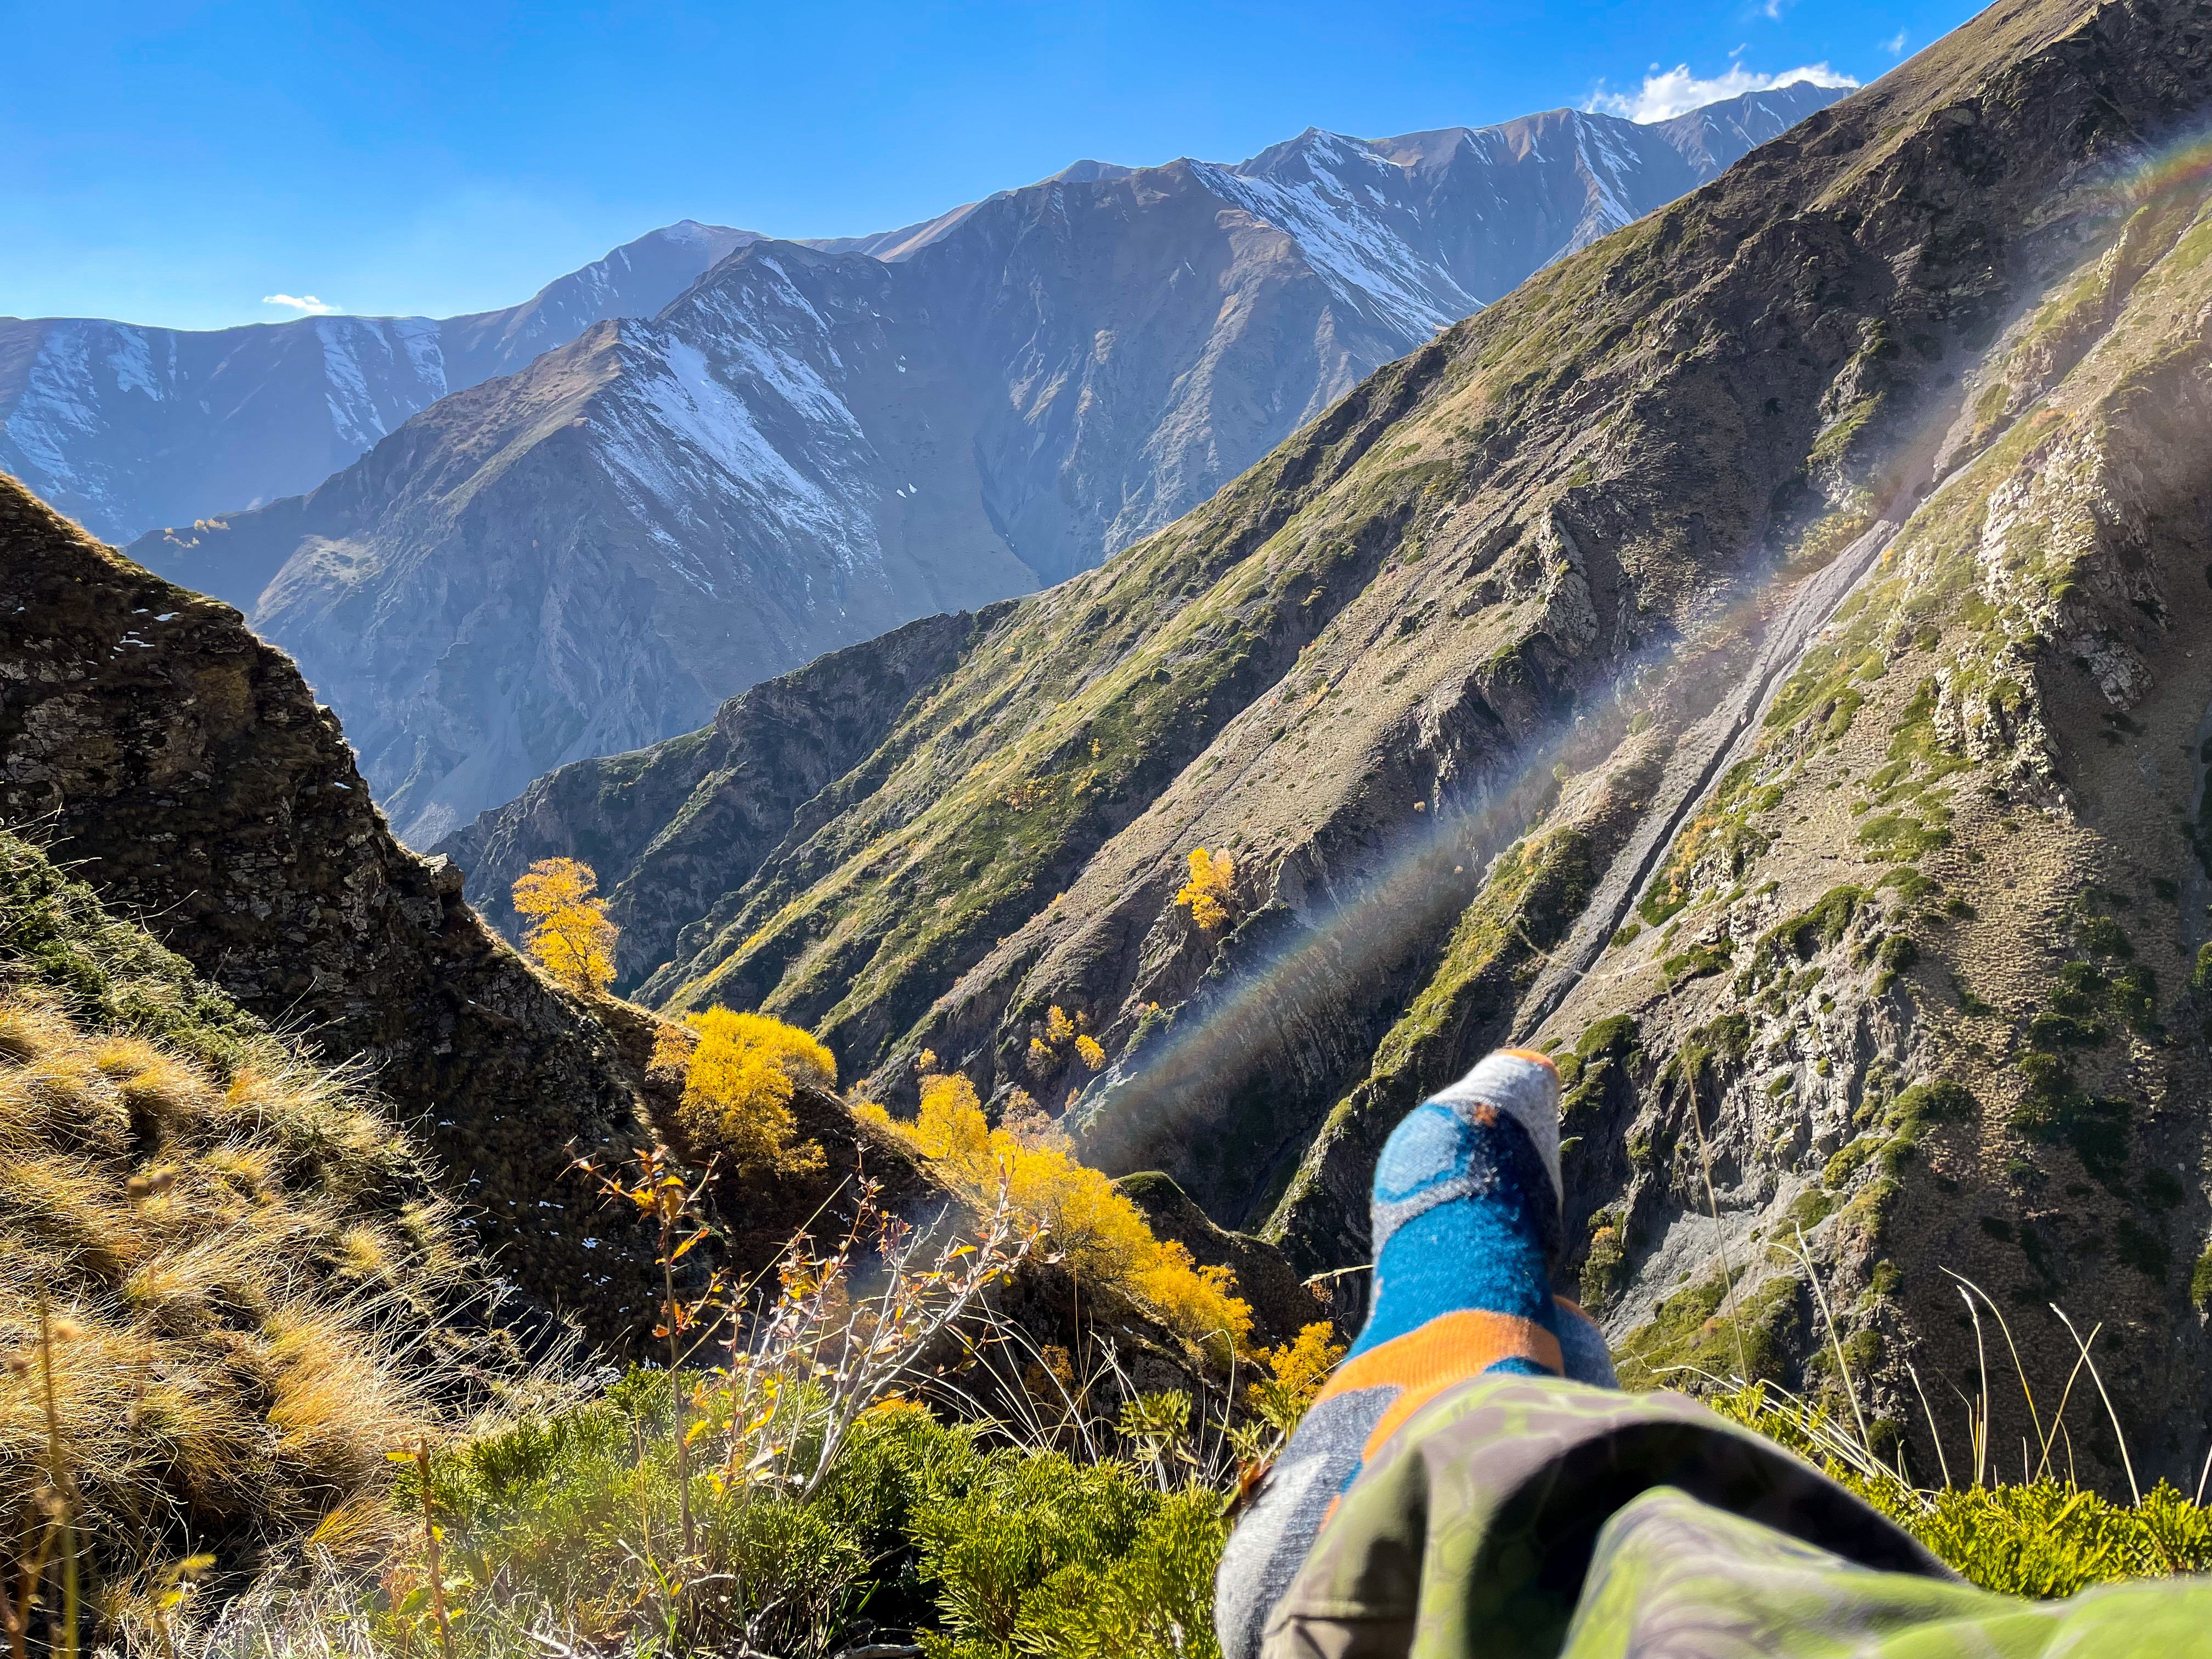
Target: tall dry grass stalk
{"x":1853,"y":1445}
{"x":847,"y":1327}
{"x":661,"y":1191}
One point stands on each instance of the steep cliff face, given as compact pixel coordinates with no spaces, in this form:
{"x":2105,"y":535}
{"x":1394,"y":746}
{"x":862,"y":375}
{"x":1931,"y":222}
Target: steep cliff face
{"x":815,"y":444}
{"x":1756,"y":660}
{"x":1918,"y":976}
{"x":177,"y":764}
{"x":126,"y":427}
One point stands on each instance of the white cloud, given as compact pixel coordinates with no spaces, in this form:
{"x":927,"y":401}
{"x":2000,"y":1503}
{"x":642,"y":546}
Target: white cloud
{"x":306,"y":304}
{"x":1667,"y":93}
{"x":1895,"y":45}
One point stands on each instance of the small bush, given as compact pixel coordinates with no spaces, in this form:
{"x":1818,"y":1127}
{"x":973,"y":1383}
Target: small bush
{"x":1060,"y":1039}
{"x":739,"y":1073}
{"x":1211,"y":889}
{"x":570,"y":934}
{"x":1897,"y":953}
{"x":1100,"y":1232}
{"x":1296,"y":1371}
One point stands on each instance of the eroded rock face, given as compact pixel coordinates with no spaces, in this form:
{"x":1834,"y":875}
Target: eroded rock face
{"x":1760,"y":659}
{"x":179,"y":766}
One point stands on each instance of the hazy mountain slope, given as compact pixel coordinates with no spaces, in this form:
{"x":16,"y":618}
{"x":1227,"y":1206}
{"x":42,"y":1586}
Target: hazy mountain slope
{"x":577,"y":559}
{"x":178,"y":766}
{"x":1799,"y":588}
{"x":672,"y":827}
{"x":811,"y":446}
{"x":127,"y":428}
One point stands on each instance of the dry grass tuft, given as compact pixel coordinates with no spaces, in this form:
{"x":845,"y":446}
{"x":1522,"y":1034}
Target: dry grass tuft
{"x":239,"y":1268}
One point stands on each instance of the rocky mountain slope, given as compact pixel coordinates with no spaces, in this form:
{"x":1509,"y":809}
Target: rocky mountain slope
{"x":162,"y":754}
{"x":815,"y":444}
{"x":127,"y":428}
{"x":1756,"y":660}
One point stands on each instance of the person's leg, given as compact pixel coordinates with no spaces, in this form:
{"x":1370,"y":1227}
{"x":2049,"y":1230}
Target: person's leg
{"x":1524,"y":1518}
{"x":1466,"y":1231}
{"x":1671,"y":1574}
{"x":1464,"y":1219}
{"x":1452,"y":1495}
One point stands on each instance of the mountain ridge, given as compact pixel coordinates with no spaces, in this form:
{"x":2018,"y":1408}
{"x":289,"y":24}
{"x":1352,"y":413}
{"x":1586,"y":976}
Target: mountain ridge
{"x":808,"y":448}
{"x":128,"y":427}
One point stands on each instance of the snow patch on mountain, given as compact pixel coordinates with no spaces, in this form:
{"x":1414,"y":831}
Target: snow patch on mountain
{"x":58,"y":400}
{"x":130,"y":428}
{"x":689,"y":449}
{"x":1350,"y":242}
{"x":133,"y":362}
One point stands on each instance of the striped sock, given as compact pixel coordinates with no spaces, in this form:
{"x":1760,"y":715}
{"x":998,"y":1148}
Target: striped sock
{"x":1466,"y":1224}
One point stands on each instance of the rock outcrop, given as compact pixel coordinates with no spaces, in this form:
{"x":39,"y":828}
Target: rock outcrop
{"x":167,"y":758}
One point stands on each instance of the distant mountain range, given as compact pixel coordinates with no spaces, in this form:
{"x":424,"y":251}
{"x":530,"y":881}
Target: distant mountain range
{"x":813,"y":443}
{"x":127,"y":428}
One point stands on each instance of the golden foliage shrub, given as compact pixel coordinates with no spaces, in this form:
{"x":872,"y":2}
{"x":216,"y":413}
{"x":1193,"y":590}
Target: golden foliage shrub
{"x":1061,"y":1038}
{"x":1211,"y":889}
{"x":1102,"y":1234}
{"x":1297,"y":1371}
{"x":570,"y":934}
{"x":739,"y":1074}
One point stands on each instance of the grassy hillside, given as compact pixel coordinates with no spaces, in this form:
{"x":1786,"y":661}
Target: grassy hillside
{"x":225,"y":1286}
{"x":237,"y":1411}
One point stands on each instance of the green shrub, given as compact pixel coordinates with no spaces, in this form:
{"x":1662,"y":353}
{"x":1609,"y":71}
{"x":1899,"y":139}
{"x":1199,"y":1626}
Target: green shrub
{"x":1897,"y":953}
{"x":2057,"y":1113}
{"x":1608,"y":1048}
{"x":994,"y":1540}
{"x":2042,"y":1539}
{"x":1605,"y":1268}
{"x":2052,"y":1539}
{"x":2200,"y":1282}
{"x":1047,"y":1557}
{"x":982,"y":1552}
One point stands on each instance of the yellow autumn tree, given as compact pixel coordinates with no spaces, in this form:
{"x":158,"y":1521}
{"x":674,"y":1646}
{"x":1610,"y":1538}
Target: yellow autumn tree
{"x":1096,"y":1228}
{"x":1299,"y":1368}
{"x":568,"y":932}
{"x":740,"y":1072}
{"x":1210,"y":890}
{"x":1050,"y":1048}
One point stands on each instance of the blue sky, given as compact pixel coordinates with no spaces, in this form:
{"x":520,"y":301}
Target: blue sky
{"x":177,"y":162}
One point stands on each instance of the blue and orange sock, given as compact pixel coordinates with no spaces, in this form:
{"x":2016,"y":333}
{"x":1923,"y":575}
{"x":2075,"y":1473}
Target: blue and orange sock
{"x":1466,"y":1227}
